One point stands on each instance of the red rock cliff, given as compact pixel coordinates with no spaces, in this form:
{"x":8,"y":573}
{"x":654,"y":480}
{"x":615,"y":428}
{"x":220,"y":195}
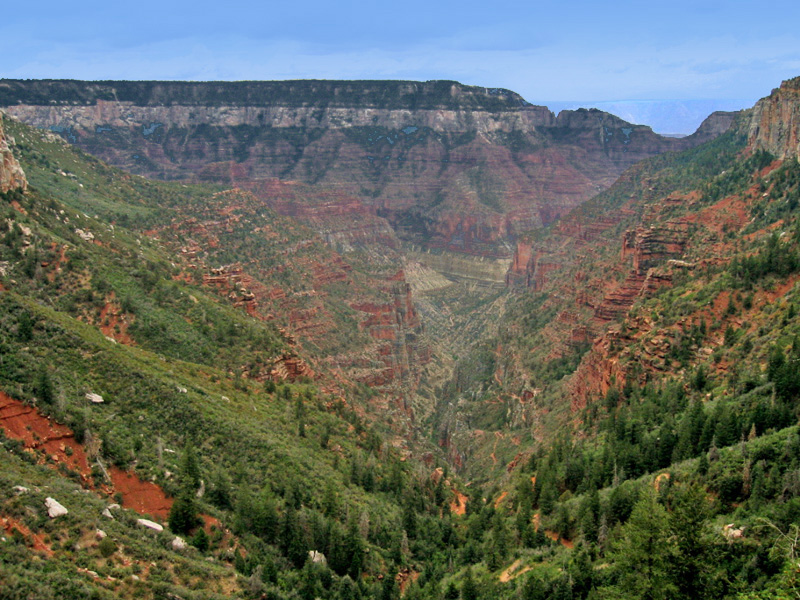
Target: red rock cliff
{"x":775,"y":121}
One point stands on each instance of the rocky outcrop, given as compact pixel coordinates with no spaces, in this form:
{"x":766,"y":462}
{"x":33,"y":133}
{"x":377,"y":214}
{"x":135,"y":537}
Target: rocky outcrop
{"x":653,"y":245}
{"x":399,"y":350}
{"x":290,"y":368}
{"x":775,"y":121}
{"x":531,"y":265}
{"x":12,"y":176}
{"x":451,"y":167}
{"x":715,"y":124}
{"x":487,"y":271}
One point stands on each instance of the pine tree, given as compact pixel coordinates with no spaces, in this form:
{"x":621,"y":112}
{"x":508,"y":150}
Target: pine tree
{"x":451,"y":592}
{"x":44,"y":386}
{"x":25,"y":327}
{"x":581,"y":573}
{"x":498,"y":543}
{"x":201,"y":540}
{"x":642,"y":555}
{"x":219,"y":490}
{"x":534,"y":589}
{"x":469,"y":590}
{"x":243,"y":519}
{"x":189,"y":469}
{"x":389,"y":589}
{"x":758,"y":489}
{"x":354,"y":549}
{"x":292,"y":537}
{"x":590,"y":518}
{"x":689,"y":561}
{"x":265,"y":520}
{"x":183,"y":514}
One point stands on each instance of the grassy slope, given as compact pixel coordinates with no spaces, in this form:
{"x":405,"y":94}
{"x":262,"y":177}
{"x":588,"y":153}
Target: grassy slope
{"x":312,"y":454}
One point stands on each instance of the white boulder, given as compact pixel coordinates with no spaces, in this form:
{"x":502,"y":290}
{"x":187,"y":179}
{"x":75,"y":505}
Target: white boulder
{"x":149,"y":524}
{"x":55,"y":508}
{"x":179,"y":544}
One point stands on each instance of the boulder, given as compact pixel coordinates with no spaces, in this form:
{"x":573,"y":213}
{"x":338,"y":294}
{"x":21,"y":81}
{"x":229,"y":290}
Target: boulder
{"x":149,"y":524}
{"x":179,"y":544}
{"x":54,"y":508}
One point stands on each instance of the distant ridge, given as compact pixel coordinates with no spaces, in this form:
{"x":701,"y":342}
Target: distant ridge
{"x":296,"y":93}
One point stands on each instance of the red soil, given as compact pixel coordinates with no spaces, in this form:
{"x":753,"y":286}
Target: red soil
{"x":38,"y":432}
{"x":144,"y":497}
{"x":114,"y":325}
{"x":459,"y":504}
{"x":556,"y":538}
{"x":9,"y":524}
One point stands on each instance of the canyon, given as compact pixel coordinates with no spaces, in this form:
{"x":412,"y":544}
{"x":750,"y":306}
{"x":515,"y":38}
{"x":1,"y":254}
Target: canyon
{"x":280,"y":340}
{"x":451,"y":168}
{"x":436,"y":179}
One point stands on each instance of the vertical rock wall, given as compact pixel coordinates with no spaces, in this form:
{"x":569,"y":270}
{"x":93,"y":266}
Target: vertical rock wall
{"x":12,"y":176}
{"x":775,"y":121}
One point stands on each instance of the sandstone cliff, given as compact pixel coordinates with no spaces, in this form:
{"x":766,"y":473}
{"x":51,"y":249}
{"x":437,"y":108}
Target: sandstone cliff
{"x":775,"y":121}
{"x":11,"y":175}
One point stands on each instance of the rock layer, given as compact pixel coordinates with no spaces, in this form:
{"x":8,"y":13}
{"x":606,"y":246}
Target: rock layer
{"x":775,"y":121}
{"x":12,"y":176}
{"x":451,"y":167}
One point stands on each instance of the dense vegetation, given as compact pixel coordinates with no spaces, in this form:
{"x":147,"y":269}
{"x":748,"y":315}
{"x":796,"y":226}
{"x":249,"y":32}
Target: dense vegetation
{"x":706,"y":426}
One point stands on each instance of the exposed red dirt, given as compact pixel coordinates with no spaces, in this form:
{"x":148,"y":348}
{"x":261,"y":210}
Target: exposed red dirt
{"x":40,"y":433}
{"x":10,"y":524}
{"x":405,"y":578}
{"x":144,"y":497}
{"x":557,"y":538}
{"x":660,"y":479}
{"x":114,"y":324}
{"x":459,"y":505}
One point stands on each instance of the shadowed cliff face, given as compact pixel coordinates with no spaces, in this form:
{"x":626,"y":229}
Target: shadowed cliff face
{"x":450,"y":167}
{"x":12,"y":176}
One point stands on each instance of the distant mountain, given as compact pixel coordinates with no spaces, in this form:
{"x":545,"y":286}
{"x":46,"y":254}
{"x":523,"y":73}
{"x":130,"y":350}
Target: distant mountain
{"x":666,"y":117}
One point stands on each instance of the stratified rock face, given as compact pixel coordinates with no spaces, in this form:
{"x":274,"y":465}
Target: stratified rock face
{"x":11,"y":175}
{"x":450,"y":167}
{"x":775,"y":121}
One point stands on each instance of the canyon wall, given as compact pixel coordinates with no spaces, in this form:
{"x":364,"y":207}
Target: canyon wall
{"x":449,"y":167}
{"x":12,"y":176}
{"x":775,"y":121}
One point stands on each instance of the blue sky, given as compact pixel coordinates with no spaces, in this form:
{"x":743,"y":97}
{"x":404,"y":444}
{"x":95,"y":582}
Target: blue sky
{"x":730,"y":52}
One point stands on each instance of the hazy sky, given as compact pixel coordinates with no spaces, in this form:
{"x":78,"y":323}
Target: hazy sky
{"x":547,"y":51}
